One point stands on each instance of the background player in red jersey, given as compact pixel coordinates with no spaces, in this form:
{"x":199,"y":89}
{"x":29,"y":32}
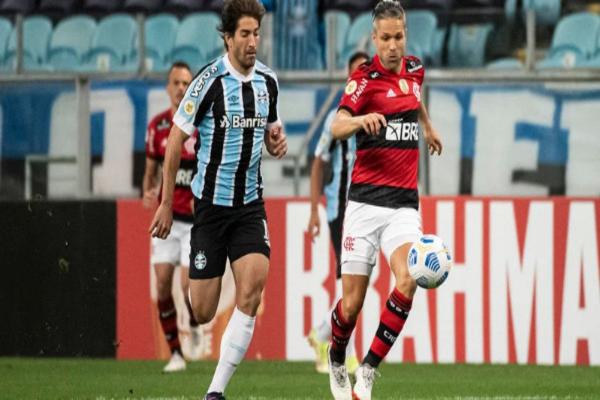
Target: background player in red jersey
{"x":382,"y":106}
{"x":175,"y":250}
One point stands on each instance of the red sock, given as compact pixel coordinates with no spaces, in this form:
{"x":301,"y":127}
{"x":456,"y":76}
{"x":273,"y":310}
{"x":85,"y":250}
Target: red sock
{"x":341,"y":330}
{"x":167,"y":314}
{"x":392,"y":320}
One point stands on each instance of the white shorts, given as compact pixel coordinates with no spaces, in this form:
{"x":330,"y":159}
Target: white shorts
{"x":175,"y":249}
{"x":368,"y":227}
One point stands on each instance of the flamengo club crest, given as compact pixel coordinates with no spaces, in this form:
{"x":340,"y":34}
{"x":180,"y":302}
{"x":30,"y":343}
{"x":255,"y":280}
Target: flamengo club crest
{"x":403,"y":86}
{"x":349,"y":243}
{"x":351,"y":87}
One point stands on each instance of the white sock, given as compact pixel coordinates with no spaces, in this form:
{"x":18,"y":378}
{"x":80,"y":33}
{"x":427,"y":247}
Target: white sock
{"x":235,"y":342}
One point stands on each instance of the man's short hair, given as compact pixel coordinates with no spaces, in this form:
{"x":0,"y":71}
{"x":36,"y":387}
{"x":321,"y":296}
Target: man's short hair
{"x":233,"y":10}
{"x":388,"y":9}
{"x":355,"y":56}
{"x":179,"y":64}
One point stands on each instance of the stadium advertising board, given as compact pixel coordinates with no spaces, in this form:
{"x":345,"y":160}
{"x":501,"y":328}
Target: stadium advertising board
{"x":524,"y":288}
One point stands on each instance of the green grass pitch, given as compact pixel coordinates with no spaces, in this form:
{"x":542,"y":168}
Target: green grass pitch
{"x":31,"y":378}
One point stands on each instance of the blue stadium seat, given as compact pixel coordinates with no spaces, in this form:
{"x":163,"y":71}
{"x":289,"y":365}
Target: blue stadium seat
{"x":161,"y":30}
{"x":591,"y":63}
{"x":359,"y":35}
{"x":421,"y":27}
{"x":112,"y":43}
{"x":505,"y":63}
{"x":340,"y":21}
{"x":547,"y":12}
{"x":17,"y":6}
{"x":103,"y":6}
{"x":466,"y":45}
{"x":70,"y":42}
{"x":62,"y":7}
{"x":36,"y":36}
{"x":510,"y":10}
{"x":573,"y":42}
{"x":5,"y":31}
{"x":146,"y":6}
{"x":198,"y":41}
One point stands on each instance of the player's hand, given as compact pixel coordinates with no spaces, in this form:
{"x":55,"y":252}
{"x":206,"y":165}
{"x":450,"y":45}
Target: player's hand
{"x":162,"y":221}
{"x":150,"y":199}
{"x":372,"y":123}
{"x":276,"y":142}
{"x":434,"y":142}
{"x":314,"y":225}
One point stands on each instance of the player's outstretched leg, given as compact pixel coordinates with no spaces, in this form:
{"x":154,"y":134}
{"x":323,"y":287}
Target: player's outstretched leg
{"x":391,"y":322}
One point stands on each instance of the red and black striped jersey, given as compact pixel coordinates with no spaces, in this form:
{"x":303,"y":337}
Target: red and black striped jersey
{"x":156,"y":147}
{"x":385,"y":170}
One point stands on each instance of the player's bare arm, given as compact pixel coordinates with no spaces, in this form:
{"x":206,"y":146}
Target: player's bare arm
{"x":345,"y":125}
{"x":432,"y":137}
{"x":151,"y":183}
{"x":276,"y":142}
{"x":316,"y":183}
{"x":163,"y":217}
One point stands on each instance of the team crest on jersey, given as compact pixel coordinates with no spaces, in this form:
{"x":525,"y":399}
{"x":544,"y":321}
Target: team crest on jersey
{"x":403,"y":86}
{"x":262,"y":97}
{"x":200,"y":261}
{"x":351,"y":87}
{"x":188,"y":107}
{"x":417,"y":91}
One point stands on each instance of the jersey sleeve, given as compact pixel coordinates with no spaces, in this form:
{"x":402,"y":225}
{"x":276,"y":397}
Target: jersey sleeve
{"x":151,"y":141}
{"x":353,"y":100}
{"x":415,"y":68}
{"x":273,"y":89}
{"x":197,"y":100}
{"x":324,"y":145}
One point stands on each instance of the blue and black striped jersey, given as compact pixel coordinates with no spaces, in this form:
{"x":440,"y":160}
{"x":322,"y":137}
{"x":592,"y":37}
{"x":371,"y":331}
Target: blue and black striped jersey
{"x":231,"y":112}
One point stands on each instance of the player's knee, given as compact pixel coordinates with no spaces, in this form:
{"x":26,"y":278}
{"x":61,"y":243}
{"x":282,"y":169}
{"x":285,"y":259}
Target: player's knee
{"x":406,"y":284}
{"x":163,"y":290}
{"x":351,"y":308}
{"x":202,"y":315}
{"x":248,"y":301}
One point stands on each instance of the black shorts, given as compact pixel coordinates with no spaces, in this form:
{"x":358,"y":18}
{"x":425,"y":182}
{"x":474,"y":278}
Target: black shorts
{"x":222,"y":232}
{"x":335,"y":231}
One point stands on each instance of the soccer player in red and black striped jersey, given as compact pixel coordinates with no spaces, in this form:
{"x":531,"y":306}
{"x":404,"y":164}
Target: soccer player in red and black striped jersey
{"x":175,"y":249}
{"x":382,"y":107}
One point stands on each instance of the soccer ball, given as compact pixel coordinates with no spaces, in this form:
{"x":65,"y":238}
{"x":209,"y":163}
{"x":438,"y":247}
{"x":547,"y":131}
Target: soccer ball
{"x":429,"y":261}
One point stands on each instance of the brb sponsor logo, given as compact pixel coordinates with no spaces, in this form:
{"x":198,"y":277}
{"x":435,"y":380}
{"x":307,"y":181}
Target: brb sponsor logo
{"x":397,"y":130}
{"x":184,"y":177}
{"x":237,"y":121}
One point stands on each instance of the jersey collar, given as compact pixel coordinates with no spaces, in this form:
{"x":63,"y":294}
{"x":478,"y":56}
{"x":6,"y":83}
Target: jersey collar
{"x":235,"y":73}
{"x":380,"y":68}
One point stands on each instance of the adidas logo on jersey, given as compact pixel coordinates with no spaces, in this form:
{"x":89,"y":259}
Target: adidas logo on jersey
{"x":391,"y":93}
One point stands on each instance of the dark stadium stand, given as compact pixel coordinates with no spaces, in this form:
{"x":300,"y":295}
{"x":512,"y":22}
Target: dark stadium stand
{"x":65,"y":35}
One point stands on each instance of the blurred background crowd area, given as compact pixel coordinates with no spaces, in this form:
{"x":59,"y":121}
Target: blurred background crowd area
{"x":146,"y":36}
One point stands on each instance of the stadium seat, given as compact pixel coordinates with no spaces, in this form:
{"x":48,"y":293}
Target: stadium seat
{"x":70,"y":42}
{"x":103,"y":6}
{"x":5,"y":31}
{"x":17,"y":6}
{"x":466,"y":45}
{"x":437,"y":46}
{"x":340,"y":21}
{"x":145,"y":6}
{"x":358,"y":37}
{"x":574,"y":41}
{"x":160,"y":30}
{"x":547,"y":12}
{"x":112,"y":43}
{"x":505,"y":63}
{"x":36,"y":36}
{"x":197,"y":40}
{"x":61,"y":7}
{"x":421,"y":26}
{"x":351,"y":6}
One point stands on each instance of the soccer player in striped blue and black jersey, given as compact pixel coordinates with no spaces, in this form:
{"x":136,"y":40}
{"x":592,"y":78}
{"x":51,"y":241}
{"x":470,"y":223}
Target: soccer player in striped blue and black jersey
{"x":233,"y":103}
